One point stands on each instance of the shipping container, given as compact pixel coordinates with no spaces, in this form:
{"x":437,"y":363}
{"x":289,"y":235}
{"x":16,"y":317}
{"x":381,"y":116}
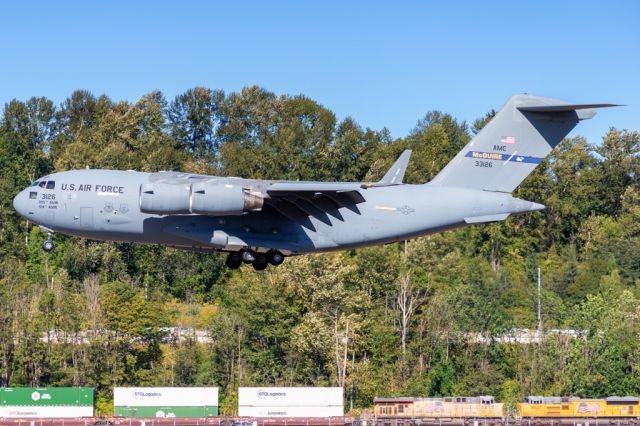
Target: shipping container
{"x":165,"y":402}
{"x":40,"y":412}
{"x":292,"y":411}
{"x":290,"y":397}
{"x":46,"y":402}
{"x":290,"y":402}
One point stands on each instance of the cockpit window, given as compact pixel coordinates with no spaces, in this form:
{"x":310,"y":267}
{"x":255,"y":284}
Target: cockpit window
{"x":51,"y":184}
{"x":42,"y":184}
{"x":36,"y":183}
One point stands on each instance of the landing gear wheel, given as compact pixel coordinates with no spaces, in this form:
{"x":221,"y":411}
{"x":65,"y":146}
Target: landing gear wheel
{"x":248,"y":256}
{"x":48,"y":244}
{"x":234,"y":260}
{"x":275,"y":257}
{"x":261,"y":262}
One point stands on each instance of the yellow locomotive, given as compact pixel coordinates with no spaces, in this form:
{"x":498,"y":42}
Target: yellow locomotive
{"x":569,"y":407}
{"x":483,"y":410}
{"x":483,"y":407}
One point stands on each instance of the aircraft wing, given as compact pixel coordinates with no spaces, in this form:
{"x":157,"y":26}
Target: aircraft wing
{"x":313,"y":187}
{"x":300,"y":200}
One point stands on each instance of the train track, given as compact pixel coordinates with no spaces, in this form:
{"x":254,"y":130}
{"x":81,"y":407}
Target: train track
{"x":315,"y":421}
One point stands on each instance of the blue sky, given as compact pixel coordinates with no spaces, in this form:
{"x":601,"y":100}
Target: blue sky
{"x":383,"y":63}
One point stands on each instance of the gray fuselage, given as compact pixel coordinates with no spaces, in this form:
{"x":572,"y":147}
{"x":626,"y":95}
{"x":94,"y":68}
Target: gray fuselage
{"x":105,"y":205}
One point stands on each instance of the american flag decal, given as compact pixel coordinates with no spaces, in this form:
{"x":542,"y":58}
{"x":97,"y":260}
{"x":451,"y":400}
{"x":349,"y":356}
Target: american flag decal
{"x":585,"y":408}
{"x":508,"y":139}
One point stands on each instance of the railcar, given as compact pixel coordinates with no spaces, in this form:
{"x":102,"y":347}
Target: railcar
{"x":453,"y":410}
{"x":613,"y":407}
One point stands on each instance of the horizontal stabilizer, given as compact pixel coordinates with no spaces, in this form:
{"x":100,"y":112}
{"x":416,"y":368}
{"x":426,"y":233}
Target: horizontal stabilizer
{"x":582,"y":111}
{"x":561,"y":108}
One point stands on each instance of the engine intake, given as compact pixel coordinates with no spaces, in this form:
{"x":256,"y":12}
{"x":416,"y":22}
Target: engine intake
{"x":212,"y":199}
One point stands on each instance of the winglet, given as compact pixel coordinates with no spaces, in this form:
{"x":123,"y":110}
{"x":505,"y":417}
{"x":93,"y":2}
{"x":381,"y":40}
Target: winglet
{"x":395,"y":175}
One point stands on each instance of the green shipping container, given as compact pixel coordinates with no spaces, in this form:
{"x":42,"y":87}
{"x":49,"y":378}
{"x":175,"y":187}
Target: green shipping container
{"x":46,"y":397}
{"x":166,"y":411}
{"x":165,"y":401}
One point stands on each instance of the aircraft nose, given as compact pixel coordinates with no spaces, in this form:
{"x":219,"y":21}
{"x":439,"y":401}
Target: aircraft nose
{"x":20,"y":203}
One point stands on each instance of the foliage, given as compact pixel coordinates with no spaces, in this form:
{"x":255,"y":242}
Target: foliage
{"x":425,"y":318}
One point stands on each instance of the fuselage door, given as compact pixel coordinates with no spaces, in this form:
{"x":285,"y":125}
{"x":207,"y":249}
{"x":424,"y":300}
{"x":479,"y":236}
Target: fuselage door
{"x":50,"y":218}
{"x":86,"y":217}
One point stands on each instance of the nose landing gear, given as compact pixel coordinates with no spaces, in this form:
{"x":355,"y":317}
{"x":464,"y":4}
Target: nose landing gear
{"x":259,"y":261}
{"x":48,"y":243}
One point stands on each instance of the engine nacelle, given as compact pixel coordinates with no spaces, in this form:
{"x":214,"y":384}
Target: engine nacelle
{"x":213,"y":199}
{"x":223,"y":199}
{"x":165,"y":198}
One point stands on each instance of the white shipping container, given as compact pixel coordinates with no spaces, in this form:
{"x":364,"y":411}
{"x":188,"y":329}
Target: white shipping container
{"x":290,"y":397}
{"x":291,"y":411}
{"x":175,"y":397}
{"x":52,"y":411}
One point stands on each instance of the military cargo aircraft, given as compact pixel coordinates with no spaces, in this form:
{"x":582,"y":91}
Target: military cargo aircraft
{"x":262,"y":221}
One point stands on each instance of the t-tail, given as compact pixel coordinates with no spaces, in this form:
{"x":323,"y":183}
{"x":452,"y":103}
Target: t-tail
{"x":513,"y":143}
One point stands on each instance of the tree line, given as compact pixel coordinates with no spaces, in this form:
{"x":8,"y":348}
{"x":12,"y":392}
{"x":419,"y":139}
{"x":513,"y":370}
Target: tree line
{"x":380,"y":321}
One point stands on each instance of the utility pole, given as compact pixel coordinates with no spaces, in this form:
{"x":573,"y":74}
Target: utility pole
{"x":539,"y":307}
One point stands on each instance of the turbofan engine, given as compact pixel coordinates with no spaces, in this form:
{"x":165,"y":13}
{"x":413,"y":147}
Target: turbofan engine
{"x":212,"y":199}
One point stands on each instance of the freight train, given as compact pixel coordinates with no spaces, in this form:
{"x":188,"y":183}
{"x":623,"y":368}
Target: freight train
{"x":304,"y":407}
{"x":484,"y":411}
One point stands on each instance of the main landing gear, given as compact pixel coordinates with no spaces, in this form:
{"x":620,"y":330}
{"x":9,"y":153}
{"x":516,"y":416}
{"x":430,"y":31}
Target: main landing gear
{"x":259,"y":261}
{"x":48,"y":243}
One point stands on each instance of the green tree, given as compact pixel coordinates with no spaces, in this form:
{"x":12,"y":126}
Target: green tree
{"x":620,"y":151}
{"x":193,"y":117}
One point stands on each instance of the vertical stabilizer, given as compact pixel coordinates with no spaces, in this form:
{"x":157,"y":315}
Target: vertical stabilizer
{"x":513,"y":143}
